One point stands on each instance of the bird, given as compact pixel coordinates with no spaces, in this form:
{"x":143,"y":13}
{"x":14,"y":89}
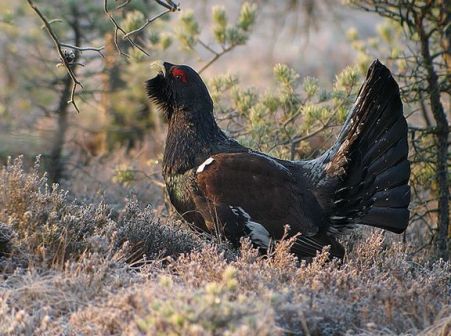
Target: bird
{"x":225,"y":188}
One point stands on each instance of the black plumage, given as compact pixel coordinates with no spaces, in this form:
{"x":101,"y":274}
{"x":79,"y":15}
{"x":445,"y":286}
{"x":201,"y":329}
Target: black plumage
{"x":224,"y":187}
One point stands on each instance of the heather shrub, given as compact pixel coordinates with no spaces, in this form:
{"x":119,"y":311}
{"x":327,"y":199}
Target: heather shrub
{"x":45,"y":224}
{"x":151,"y":236}
{"x":204,"y":293}
{"x":73,"y":268}
{"x":216,"y":308}
{"x":377,"y":289}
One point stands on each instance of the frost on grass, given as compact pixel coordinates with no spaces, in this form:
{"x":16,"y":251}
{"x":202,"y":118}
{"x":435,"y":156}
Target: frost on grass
{"x":43,"y":224}
{"x":75,"y":269}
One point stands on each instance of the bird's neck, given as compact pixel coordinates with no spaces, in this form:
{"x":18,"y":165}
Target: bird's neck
{"x":191,"y":138}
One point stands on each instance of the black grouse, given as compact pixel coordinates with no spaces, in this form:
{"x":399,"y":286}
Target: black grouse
{"x":223,"y":187}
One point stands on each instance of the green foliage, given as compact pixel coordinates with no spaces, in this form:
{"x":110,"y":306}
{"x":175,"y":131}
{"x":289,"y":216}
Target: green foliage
{"x":300,"y":107}
{"x":247,"y":16}
{"x":124,"y":174}
{"x":423,"y":168}
{"x":188,"y":31}
{"x":219,"y":24}
{"x":237,"y":34}
{"x":165,"y":41}
{"x":225,"y":34}
{"x":310,"y":86}
{"x":131,"y":115}
{"x":285,"y":75}
{"x":133,"y":20}
{"x":347,"y":79}
{"x":385,"y":45}
{"x":215,"y":308}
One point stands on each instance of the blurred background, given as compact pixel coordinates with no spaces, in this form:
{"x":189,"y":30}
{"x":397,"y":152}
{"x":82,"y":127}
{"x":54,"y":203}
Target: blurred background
{"x":282,"y":74}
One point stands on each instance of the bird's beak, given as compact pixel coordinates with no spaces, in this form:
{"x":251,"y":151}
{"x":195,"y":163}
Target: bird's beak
{"x":157,"y":68}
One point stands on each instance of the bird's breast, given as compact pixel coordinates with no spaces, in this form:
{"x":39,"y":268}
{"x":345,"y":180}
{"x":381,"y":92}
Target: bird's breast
{"x":178,"y":187}
{"x":180,"y":191}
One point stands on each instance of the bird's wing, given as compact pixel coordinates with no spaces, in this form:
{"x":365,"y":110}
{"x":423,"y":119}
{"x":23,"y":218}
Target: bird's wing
{"x":257,"y":191}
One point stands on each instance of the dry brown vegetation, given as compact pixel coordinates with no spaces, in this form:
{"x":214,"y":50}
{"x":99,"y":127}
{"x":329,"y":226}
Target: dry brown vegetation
{"x":79,"y":268}
{"x":103,"y":257}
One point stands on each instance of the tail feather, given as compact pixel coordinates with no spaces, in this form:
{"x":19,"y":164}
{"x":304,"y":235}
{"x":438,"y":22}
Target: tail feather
{"x":392,"y":156}
{"x":392,"y":219}
{"x":385,"y":141}
{"x":363,"y":178}
{"x":393,"y":177}
{"x":386,"y":119}
{"x":398,"y":197}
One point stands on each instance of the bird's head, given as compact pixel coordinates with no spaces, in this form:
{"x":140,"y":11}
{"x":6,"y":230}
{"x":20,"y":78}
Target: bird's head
{"x":178,"y":89}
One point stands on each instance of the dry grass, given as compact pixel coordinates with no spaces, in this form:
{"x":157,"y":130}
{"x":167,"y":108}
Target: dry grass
{"x":71,"y":268}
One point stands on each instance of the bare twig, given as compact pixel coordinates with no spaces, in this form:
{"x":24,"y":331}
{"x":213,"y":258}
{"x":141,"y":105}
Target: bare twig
{"x":206,"y":46}
{"x":53,"y":21}
{"x":125,"y":3}
{"x":62,"y":54}
{"x":75,"y":81}
{"x":148,"y":22}
{"x":70,"y":46}
{"x":216,"y":56}
{"x":168,"y":4}
{"x":117,"y":29}
{"x":295,"y":141}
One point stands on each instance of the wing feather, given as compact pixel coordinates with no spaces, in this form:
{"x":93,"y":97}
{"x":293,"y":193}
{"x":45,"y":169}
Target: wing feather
{"x":261,"y":186}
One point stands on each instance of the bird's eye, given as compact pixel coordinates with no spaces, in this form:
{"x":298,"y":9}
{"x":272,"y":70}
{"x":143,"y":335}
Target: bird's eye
{"x":179,"y":74}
